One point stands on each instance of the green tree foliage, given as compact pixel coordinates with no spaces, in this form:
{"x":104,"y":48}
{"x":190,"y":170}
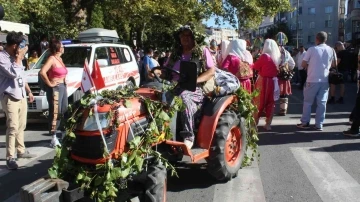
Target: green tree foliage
{"x":250,"y":13}
{"x":149,"y":22}
{"x":282,"y":27}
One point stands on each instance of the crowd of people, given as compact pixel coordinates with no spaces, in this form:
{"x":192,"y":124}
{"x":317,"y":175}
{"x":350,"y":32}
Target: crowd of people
{"x":268,"y":69}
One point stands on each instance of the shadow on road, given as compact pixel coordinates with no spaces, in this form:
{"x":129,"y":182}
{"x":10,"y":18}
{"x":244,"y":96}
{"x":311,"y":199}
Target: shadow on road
{"x":290,"y":134}
{"x":192,"y":176}
{"x":23,"y":176}
{"x":339,"y":148}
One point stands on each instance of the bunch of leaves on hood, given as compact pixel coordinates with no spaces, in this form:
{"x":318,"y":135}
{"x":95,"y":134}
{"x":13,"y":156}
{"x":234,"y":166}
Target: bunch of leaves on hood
{"x":103,"y":181}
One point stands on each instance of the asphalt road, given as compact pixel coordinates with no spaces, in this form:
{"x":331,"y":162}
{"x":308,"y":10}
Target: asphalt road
{"x":295,"y":165}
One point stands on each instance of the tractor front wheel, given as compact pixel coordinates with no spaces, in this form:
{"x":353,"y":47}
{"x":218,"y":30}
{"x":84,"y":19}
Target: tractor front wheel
{"x":155,"y":185}
{"x":228,"y":147}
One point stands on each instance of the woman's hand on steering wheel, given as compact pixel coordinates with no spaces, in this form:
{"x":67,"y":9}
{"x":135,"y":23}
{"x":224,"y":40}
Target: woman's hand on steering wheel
{"x":156,"y":71}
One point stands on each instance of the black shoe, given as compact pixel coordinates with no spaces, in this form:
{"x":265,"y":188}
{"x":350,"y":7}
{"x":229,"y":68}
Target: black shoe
{"x":351,"y":133}
{"x":331,"y":100}
{"x":303,"y":126}
{"x":340,"y":101}
{"x":11,"y":164}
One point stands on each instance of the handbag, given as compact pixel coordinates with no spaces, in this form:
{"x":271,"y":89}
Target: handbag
{"x":285,"y":73}
{"x":335,"y":77}
{"x":245,"y":71}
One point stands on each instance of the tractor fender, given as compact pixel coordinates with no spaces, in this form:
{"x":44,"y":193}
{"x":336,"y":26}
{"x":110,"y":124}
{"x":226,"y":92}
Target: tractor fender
{"x":211,"y":114}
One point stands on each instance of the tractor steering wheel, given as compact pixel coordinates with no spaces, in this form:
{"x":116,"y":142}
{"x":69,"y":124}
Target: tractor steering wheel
{"x":162,"y":68}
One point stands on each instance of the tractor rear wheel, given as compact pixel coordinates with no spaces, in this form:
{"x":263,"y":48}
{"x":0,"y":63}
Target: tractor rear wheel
{"x":228,"y":147}
{"x":155,"y":186}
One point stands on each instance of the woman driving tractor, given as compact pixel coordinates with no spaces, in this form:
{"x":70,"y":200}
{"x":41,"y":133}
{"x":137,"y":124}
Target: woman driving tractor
{"x":188,"y":48}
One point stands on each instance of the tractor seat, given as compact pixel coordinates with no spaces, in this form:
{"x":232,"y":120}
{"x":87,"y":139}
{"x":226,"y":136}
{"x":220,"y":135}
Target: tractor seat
{"x":212,"y":105}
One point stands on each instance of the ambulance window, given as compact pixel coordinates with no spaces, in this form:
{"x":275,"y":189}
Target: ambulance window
{"x":114,"y":56}
{"x":101,"y":53}
{"x":126,"y":53}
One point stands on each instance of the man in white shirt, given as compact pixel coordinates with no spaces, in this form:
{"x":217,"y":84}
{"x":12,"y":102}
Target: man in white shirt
{"x":317,"y":61}
{"x":302,"y":71}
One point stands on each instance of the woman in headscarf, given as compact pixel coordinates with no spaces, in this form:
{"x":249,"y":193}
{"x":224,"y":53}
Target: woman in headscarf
{"x":239,"y":62}
{"x":188,"y":48}
{"x":266,"y":82}
{"x":286,"y":66}
{"x":223,"y":51}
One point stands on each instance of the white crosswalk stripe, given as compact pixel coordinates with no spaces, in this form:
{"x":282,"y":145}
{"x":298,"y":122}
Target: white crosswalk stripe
{"x":330,"y":180}
{"x":247,"y":186}
{"x":39,"y":150}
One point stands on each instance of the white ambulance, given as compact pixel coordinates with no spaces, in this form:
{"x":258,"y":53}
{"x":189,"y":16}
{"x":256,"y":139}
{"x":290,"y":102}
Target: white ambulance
{"x":117,"y":63}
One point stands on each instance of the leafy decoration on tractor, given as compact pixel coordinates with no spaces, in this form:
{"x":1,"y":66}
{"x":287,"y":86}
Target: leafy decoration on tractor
{"x":245,"y":107}
{"x":103,"y":181}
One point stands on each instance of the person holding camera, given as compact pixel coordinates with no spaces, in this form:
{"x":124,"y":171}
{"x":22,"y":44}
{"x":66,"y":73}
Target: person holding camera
{"x":13,"y":89}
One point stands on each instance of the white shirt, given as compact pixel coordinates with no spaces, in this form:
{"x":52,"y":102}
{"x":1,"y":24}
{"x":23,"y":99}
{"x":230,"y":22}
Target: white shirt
{"x":300,"y":58}
{"x":153,"y":63}
{"x":319,"y":59}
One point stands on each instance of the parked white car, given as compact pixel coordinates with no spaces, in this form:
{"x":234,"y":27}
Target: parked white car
{"x":117,"y":63}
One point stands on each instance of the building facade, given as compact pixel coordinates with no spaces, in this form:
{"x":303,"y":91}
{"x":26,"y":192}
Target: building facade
{"x":220,"y":34}
{"x":264,"y":26}
{"x":313,"y":16}
{"x":352,"y":23}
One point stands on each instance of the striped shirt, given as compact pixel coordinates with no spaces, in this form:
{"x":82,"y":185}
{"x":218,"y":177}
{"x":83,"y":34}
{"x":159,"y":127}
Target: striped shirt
{"x":10,"y":73}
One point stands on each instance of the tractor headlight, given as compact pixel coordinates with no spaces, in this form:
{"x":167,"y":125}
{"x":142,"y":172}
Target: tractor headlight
{"x":90,"y":123}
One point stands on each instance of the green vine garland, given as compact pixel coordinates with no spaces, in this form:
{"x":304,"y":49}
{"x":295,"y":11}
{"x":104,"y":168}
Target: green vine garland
{"x":103,"y":180}
{"x":245,"y":107}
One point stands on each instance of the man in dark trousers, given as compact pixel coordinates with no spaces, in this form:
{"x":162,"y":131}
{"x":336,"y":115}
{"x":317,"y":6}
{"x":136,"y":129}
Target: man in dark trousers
{"x":355,"y":116}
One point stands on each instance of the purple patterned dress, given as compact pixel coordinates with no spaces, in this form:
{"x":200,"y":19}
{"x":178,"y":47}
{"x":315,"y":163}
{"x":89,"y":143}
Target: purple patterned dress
{"x":192,"y":100}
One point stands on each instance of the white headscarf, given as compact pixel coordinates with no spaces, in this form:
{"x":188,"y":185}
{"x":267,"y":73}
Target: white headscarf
{"x":271,"y":48}
{"x":237,"y":48}
{"x":224,"y":49}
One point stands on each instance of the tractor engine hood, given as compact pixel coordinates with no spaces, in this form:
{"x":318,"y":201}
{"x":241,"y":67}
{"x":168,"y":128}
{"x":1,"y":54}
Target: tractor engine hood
{"x":125,"y":110}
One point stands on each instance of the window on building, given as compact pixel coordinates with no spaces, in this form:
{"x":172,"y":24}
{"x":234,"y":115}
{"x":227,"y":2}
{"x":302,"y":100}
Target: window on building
{"x":311,"y":11}
{"x":300,"y":10}
{"x":341,"y":25}
{"x":356,"y":26}
{"x":342,"y":10}
{"x":328,"y":9}
{"x":328,"y":23}
{"x":300,"y":24}
{"x":356,"y":4}
{"x":312,"y":25}
{"x":311,"y":39}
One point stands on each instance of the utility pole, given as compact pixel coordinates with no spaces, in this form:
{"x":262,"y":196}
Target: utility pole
{"x":297,"y":24}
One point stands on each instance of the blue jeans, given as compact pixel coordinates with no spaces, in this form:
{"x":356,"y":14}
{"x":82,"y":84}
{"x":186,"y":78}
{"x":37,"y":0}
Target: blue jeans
{"x":312,"y":91}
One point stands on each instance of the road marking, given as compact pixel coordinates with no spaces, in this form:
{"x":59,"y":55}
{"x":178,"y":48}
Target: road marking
{"x":39,"y":150}
{"x":329,"y":179}
{"x":247,"y":186}
{"x":290,"y":120}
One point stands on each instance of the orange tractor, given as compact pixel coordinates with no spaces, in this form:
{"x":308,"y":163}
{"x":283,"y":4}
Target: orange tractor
{"x":220,"y":140}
